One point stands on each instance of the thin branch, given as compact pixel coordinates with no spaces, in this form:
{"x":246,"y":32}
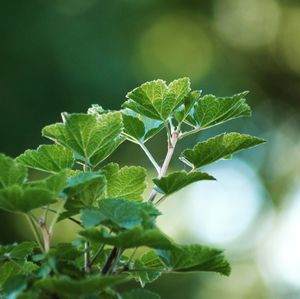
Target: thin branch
{"x":97,"y":254}
{"x":149,"y":155}
{"x":87,"y":263}
{"x":70,"y":218}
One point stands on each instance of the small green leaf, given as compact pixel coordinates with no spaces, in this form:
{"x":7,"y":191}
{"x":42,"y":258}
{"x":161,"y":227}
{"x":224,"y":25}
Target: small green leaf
{"x":218,"y":147}
{"x":70,"y":287}
{"x":23,"y":250}
{"x":92,"y":138}
{"x":211,"y":111}
{"x":139,"y":127}
{"x":11,"y":172}
{"x":178,"y":180}
{"x":135,"y":237}
{"x":189,"y":102}
{"x":148,"y":268}
{"x":140,"y":294}
{"x":14,"y":286}
{"x":194,"y":258}
{"x":120,"y":213}
{"x":156,"y":100}
{"x":50,"y":158}
{"x":85,"y":188}
{"x":128,"y":182}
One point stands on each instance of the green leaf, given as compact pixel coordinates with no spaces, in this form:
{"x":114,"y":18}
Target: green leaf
{"x":14,"y":286}
{"x":135,"y":237}
{"x":194,"y":258}
{"x":140,"y":294}
{"x":189,"y":102}
{"x":139,"y":127}
{"x":22,"y":250}
{"x":120,"y":213}
{"x":91,"y":285}
{"x":50,"y":158}
{"x":11,"y":172}
{"x":128,"y":182}
{"x":178,"y":180}
{"x":156,"y":100}
{"x":148,"y":268}
{"x":18,"y":199}
{"x":92,"y":138}
{"x":85,"y":188}
{"x":217,"y":148}
{"x":32,"y":195}
{"x":212,"y":111}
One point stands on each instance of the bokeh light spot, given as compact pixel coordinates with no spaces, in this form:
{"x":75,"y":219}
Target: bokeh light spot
{"x":176,"y":45}
{"x":247,"y":24}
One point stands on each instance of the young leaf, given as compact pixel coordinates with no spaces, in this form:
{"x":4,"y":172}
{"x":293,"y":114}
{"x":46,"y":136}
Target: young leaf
{"x":22,"y":251}
{"x":194,"y":258}
{"x":120,"y":213}
{"x":92,"y":138}
{"x":218,"y":147}
{"x":128,"y":182}
{"x":11,"y":172}
{"x":156,"y":100}
{"x":212,"y":111}
{"x":140,"y":294}
{"x":178,"y":180}
{"x":85,"y":286}
{"x":135,"y":237}
{"x":139,"y":127}
{"x":189,"y":102}
{"x":50,"y":158}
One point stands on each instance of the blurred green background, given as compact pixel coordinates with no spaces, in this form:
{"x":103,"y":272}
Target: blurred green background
{"x":64,"y":55}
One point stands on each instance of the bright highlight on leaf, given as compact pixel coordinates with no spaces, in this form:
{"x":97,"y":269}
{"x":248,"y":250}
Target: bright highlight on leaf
{"x":219,"y":147}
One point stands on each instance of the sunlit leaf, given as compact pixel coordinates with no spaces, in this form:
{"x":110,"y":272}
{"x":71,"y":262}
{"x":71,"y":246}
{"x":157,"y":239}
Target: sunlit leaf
{"x":218,"y":147}
{"x":91,"y":138}
{"x":50,"y":158}
{"x":178,"y":180}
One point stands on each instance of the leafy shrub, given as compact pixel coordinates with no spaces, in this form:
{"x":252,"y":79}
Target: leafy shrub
{"x":118,"y":239}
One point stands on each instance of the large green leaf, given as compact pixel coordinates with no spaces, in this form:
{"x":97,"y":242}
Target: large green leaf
{"x":211,"y":111}
{"x":50,"y":158}
{"x":135,"y":237}
{"x":218,"y":147}
{"x":178,"y":180}
{"x":120,"y":213}
{"x":140,"y":294}
{"x":191,"y":258}
{"x":90,"y":285}
{"x":32,"y":195}
{"x":11,"y":172}
{"x":128,"y":182}
{"x":92,"y":138}
{"x":156,"y":100}
{"x":140,"y":128}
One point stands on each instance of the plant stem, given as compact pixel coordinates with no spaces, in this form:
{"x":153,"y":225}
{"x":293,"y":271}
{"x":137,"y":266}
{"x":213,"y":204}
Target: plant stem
{"x":149,"y":155}
{"x":46,"y":235}
{"x":112,"y":256}
{"x":185,"y":134}
{"x":171,"y":147}
{"x":87,"y":263}
{"x":34,"y":231}
{"x":97,"y":254}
